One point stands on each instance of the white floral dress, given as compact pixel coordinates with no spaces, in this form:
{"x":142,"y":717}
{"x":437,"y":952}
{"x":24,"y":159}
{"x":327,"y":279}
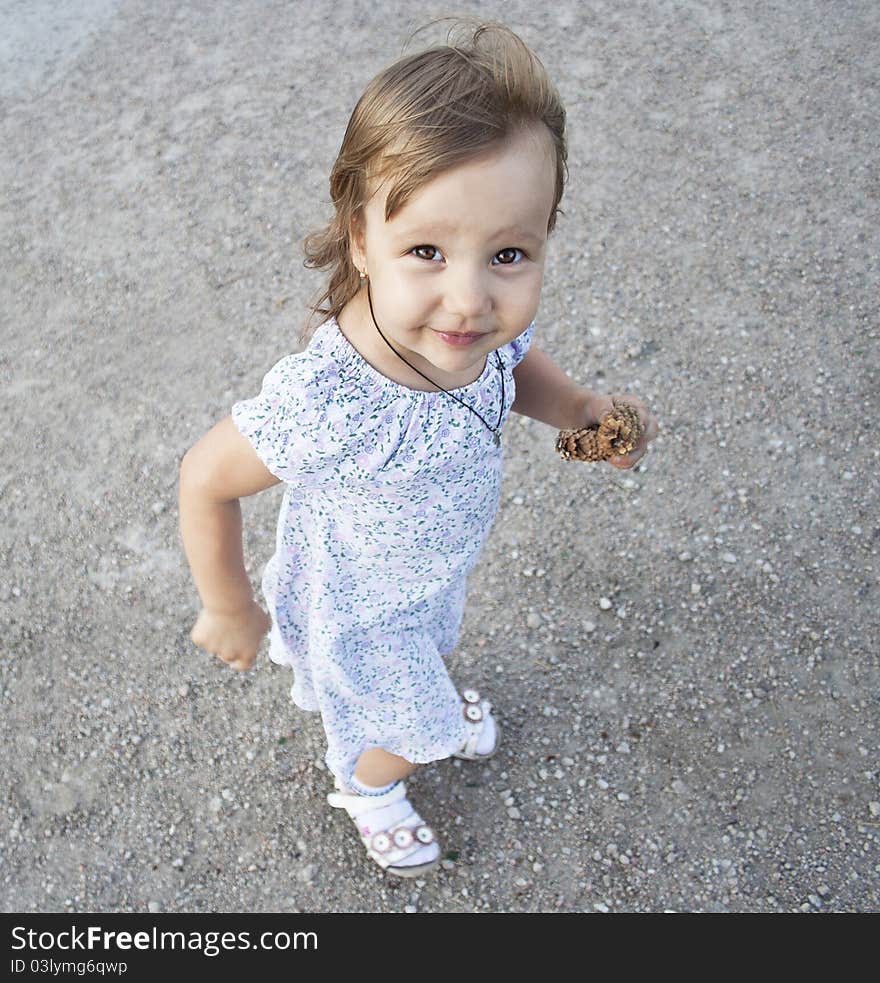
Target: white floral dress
{"x":390,"y":493}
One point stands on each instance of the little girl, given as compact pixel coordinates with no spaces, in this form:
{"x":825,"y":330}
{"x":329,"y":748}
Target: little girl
{"x":386,"y":429}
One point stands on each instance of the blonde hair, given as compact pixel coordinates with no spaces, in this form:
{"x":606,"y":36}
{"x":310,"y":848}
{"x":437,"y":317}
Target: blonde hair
{"x":424,"y":114}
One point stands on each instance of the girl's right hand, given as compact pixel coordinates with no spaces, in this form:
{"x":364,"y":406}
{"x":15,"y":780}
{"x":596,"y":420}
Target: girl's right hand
{"x":235,"y":638}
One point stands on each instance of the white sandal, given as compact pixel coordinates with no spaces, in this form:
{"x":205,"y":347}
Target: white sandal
{"x":475,"y":712}
{"x":397,"y":838}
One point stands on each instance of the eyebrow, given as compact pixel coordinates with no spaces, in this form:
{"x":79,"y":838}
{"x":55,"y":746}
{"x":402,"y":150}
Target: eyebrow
{"x":439,"y":228}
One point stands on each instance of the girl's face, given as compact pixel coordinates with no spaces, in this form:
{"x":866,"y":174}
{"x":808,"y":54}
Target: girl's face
{"x":457,"y":272}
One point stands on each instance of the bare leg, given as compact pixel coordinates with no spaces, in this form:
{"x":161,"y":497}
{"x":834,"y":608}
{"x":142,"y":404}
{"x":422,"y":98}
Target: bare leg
{"x":378,"y":767}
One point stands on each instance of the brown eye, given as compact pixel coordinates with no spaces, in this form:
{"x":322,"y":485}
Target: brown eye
{"x":510,"y":249}
{"x":419,"y":249}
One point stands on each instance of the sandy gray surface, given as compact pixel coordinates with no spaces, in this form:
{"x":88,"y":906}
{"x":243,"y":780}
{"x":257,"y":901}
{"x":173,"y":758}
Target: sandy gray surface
{"x":708,"y":741}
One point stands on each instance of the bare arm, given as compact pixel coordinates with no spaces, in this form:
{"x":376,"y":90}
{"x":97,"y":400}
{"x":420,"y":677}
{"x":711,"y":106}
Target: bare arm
{"x":544,"y":392}
{"x":221,"y":468}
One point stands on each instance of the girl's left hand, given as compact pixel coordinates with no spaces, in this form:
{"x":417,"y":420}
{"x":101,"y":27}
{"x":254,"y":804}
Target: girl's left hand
{"x":599,"y":405}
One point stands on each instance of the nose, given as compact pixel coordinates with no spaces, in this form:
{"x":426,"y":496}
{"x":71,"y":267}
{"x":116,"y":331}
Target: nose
{"x":467,"y":293}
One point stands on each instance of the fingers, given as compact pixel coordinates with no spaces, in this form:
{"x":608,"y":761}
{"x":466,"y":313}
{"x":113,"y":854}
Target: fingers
{"x":627,"y":461}
{"x":235,"y":660}
{"x":650,"y":429}
{"x":239,"y":662}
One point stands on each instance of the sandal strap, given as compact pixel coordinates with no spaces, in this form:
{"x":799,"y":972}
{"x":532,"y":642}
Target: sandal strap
{"x":355,"y":805}
{"x":476,"y":726}
{"x":399,"y":838}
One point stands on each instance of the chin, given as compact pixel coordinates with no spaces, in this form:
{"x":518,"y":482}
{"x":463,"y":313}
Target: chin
{"x":460,"y":359}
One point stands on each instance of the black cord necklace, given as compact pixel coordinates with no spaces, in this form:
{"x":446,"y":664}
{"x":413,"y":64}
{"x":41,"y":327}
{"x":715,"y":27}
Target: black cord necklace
{"x":496,"y":432}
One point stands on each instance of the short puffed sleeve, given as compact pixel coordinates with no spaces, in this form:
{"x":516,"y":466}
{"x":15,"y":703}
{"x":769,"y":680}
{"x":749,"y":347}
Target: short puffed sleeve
{"x":295,"y":424}
{"x":520,"y":345}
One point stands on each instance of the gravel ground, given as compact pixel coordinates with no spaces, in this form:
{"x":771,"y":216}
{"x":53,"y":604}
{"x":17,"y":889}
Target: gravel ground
{"x":684,"y":660}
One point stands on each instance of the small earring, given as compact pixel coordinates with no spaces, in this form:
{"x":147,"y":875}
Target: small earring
{"x":363,"y":276}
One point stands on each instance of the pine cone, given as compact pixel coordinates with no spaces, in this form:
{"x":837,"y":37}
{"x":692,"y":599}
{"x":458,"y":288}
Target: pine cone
{"x":618,"y":433}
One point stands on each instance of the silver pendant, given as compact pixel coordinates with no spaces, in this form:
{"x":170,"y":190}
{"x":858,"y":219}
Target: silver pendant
{"x":497,"y":438}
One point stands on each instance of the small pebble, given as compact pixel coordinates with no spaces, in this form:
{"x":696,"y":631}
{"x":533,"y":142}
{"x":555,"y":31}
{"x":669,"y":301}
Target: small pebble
{"x":604,"y":603}
{"x":306,"y":874}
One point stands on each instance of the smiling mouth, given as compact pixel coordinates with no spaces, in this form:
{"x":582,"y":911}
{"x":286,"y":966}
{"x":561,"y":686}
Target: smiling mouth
{"x":459,"y":338}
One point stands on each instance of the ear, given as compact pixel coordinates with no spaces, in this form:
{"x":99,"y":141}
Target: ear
{"x":357,"y":242}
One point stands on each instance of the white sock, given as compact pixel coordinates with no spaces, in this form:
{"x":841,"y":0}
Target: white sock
{"x":363,"y":789}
